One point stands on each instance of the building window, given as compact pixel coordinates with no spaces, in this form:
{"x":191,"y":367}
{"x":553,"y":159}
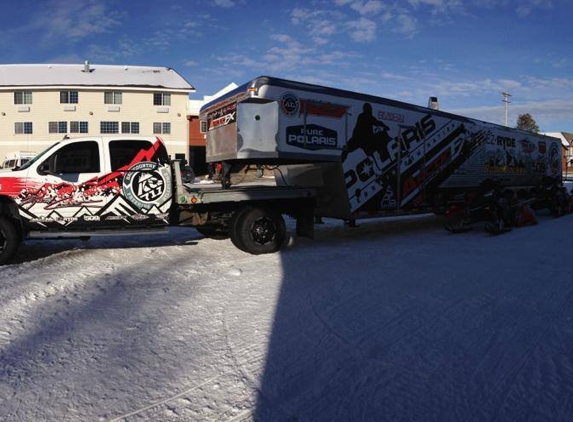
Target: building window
{"x":23,"y":97}
{"x":112,"y":97}
{"x":129,"y":127}
{"x":78,"y":127}
{"x":203,"y":127}
{"x":23,"y":128}
{"x":58,"y":127}
{"x":69,"y":97}
{"x":109,"y":127}
{"x":161,"y":99}
{"x":162,"y":128}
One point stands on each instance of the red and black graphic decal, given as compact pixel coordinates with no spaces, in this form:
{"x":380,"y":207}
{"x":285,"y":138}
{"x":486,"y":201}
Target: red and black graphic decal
{"x":101,"y":198}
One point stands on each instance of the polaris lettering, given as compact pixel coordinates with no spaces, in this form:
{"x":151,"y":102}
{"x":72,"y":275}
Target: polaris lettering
{"x":315,"y":137}
{"x":312,"y":137}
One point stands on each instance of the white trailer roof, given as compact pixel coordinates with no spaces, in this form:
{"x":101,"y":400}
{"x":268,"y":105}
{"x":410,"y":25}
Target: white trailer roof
{"x":38,"y":75}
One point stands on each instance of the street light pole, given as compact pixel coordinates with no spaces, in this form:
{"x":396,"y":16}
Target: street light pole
{"x":505,"y":100}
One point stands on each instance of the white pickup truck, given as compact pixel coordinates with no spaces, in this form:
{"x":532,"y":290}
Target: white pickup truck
{"x":92,"y":186}
{"x":16,"y":159}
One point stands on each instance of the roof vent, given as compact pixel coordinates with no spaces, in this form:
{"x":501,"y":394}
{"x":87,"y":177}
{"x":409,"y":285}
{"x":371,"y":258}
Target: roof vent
{"x":87,"y":67}
{"x":433,"y":103}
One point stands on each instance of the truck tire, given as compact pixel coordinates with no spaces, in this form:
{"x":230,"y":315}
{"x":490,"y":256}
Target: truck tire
{"x":234,"y":227}
{"x":9,"y":240}
{"x":258,"y":230}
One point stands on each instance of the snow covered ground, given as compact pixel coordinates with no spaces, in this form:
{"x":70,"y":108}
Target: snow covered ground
{"x":392,"y":321}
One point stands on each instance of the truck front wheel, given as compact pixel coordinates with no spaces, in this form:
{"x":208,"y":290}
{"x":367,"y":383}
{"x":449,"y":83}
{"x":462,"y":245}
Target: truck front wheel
{"x":258,"y":230}
{"x":9,"y":240}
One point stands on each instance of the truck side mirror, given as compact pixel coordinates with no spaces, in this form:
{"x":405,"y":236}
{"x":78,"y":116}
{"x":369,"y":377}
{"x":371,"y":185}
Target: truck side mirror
{"x":48,"y":167}
{"x":44,"y":168}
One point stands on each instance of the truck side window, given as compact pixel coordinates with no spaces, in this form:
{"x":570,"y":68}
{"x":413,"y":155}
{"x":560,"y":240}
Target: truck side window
{"x":122,"y":153}
{"x":79,"y":157}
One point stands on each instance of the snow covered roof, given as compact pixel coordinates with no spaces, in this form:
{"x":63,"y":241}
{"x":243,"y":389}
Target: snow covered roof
{"x":43,"y":75}
{"x":561,"y":136}
{"x":195,"y":105}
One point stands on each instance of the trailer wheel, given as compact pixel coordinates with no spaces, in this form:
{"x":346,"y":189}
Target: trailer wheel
{"x":258,"y":230}
{"x":9,"y":240}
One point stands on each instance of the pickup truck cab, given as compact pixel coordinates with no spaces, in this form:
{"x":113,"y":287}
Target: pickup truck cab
{"x":79,"y":187}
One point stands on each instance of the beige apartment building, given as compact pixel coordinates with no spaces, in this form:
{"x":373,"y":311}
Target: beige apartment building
{"x":43,"y":103}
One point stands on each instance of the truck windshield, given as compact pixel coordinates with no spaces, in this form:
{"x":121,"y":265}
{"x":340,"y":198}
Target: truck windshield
{"x":36,"y":158}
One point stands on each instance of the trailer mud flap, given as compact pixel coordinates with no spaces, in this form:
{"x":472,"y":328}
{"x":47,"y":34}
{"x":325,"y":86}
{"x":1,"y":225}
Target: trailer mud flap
{"x":305,"y":223}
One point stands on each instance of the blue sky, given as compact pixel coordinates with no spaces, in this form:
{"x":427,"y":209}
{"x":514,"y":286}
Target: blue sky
{"x":466,"y":52}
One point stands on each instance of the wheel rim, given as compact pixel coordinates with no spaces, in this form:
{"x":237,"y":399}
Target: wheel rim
{"x":263,"y":231}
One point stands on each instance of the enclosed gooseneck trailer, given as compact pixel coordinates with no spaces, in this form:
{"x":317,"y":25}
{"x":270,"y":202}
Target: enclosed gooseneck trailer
{"x":368,"y":155}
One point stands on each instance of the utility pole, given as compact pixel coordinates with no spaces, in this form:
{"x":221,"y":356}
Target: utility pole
{"x":505,"y":100}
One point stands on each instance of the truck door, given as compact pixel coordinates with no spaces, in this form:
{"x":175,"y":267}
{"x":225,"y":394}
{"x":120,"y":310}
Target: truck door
{"x":61,"y":189}
{"x":144,"y":182}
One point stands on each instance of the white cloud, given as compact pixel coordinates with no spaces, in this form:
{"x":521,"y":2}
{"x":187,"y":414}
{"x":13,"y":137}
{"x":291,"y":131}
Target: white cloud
{"x":123,"y":50}
{"x":319,"y":23}
{"x":320,"y":41}
{"x":509,"y":84}
{"x":405,"y":24}
{"x":224,"y":3}
{"x":334,"y":57}
{"x":287,"y":39}
{"x":526,"y":7}
{"x":369,"y":8}
{"x":362,"y":30}
{"x":438,"y":6}
{"x":239,"y":60}
{"x":62,"y":19}
{"x":548,"y":113}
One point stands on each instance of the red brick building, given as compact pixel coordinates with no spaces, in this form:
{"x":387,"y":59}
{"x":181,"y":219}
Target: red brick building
{"x":197,"y":144}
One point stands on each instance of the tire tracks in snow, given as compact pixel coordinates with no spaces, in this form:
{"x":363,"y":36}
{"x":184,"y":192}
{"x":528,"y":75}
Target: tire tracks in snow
{"x":504,"y":386}
{"x":232,"y":374}
{"x":164,"y":401}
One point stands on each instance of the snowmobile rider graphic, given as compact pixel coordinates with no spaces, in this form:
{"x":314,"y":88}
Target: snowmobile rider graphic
{"x":369,"y":134}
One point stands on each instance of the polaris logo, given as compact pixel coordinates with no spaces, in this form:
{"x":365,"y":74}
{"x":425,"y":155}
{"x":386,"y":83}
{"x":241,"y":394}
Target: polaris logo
{"x":312,"y":137}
